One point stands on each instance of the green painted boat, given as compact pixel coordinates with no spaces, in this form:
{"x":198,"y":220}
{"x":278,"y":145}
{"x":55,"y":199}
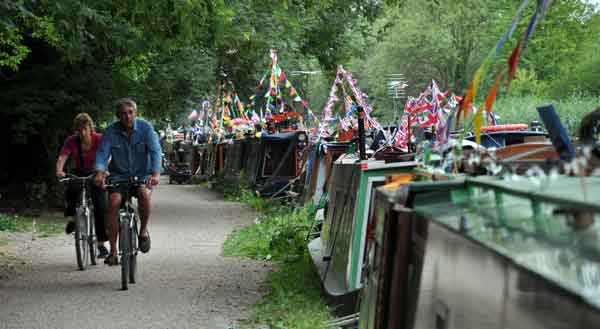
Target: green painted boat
{"x":339,"y":252}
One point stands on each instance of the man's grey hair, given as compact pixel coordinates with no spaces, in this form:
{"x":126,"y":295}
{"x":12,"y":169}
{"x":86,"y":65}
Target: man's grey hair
{"x":125,"y":101}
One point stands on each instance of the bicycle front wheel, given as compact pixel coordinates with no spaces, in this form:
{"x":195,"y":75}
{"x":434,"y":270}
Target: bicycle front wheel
{"x":125,"y":244}
{"x":92,"y":240}
{"x":81,"y":234}
{"x":134,"y":250}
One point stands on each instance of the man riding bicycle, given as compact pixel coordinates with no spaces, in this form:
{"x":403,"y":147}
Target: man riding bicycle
{"x":133,"y":147}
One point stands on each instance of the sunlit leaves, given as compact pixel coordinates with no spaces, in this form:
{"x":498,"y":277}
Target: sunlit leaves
{"x":12,"y":51}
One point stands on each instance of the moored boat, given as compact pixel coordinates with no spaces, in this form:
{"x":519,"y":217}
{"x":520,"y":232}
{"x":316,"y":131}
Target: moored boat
{"x":485,"y":253}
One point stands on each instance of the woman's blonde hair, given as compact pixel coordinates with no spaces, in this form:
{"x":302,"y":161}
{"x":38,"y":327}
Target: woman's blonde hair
{"x":81,"y":120}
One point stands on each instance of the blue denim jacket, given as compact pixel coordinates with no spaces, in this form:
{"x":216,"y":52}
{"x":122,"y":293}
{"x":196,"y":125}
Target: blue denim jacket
{"x":137,"y":157}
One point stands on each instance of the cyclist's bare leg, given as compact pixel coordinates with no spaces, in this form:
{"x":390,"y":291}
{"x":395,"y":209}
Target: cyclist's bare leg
{"x":112,"y":212}
{"x":144,"y":207}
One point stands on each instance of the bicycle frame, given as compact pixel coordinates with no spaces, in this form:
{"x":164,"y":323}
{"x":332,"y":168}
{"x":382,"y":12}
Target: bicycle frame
{"x":85,"y":236}
{"x":128,"y":231}
{"x":127,"y":213}
{"x":84,"y":202}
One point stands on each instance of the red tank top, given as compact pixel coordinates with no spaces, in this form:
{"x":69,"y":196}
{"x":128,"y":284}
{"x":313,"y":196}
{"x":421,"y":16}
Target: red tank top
{"x":89,"y":157}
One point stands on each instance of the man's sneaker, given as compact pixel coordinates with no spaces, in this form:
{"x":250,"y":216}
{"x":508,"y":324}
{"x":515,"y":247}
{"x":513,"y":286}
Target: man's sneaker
{"x":102,"y":252}
{"x":70,"y":227}
{"x":144,"y":243}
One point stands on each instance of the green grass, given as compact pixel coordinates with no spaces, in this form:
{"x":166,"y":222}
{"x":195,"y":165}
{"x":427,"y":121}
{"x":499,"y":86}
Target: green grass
{"x":44,"y":225}
{"x":294,"y":298}
{"x":201,"y":182}
{"x":241,"y":192}
{"x":10,"y":223}
{"x":522,"y":109}
{"x":278,"y":236}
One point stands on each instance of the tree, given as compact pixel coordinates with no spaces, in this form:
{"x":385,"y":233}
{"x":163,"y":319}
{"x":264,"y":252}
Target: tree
{"x":60,"y":57}
{"x":442,"y":40}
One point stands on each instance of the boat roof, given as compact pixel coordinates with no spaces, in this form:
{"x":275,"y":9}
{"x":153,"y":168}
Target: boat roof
{"x":372,"y":164}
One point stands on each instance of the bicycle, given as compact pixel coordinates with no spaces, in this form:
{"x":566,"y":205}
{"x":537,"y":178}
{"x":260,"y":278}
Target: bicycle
{"x":85,"y":236}
{"x":128,"y":232}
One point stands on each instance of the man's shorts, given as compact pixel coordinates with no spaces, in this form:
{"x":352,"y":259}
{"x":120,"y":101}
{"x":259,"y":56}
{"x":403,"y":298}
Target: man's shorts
{"x":123,"y":189}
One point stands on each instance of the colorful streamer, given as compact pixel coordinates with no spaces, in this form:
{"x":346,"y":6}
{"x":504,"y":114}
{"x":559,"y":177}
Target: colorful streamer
{"x":513,"y":60}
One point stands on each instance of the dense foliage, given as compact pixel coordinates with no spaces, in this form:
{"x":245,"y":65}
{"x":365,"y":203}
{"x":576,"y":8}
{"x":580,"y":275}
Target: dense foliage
{"x":447,"y":40}
{"x":60,"y":57}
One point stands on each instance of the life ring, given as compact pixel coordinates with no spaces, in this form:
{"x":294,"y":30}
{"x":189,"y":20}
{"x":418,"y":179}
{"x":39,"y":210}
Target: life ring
{"x":507,"y":127}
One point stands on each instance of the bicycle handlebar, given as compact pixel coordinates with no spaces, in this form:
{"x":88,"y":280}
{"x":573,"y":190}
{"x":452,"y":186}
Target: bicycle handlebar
{"x":70,"y":177}
{"x":135,"y":183}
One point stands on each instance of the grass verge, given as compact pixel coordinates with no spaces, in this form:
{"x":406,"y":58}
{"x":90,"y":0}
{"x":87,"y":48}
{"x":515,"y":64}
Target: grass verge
{"x":44,"y":225}
{"x":279,"y":235}
{"x":294,"y":299}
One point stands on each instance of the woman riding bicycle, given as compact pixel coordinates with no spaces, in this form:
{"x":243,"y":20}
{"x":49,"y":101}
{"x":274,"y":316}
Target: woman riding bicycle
{"x":82,"y":146}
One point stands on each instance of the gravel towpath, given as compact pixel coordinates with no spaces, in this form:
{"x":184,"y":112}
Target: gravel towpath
{"x":183,"y":282}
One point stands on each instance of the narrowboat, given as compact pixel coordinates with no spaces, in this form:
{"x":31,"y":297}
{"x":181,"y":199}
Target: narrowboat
{"x":200,"y":161}
{"x":220,"y":156}
{"x":279,"y":162}
{"x":251,"y":160}
{"x":339,"y":251}
{"x":485,"y":253}
{"x":319,"y":165}
{"x":234,"y":161}
{"x":208,"y":160}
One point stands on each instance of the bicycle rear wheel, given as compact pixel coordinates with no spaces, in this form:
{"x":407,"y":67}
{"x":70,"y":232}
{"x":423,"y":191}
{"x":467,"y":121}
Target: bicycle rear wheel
{"x":81,"y":243}
{"x":125,"y":244}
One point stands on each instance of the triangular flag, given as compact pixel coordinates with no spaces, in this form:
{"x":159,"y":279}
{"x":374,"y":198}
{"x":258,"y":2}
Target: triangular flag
{"x":513,"y":60}
{"x":489,"y":100}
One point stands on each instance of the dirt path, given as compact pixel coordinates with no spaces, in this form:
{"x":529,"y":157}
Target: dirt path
{"x":183,"y":282}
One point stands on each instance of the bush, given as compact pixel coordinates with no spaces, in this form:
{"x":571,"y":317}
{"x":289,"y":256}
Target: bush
{"x":525,"y":83}
{"x":38,"y":195}
{"x":45,"y":226}
{"x":13,"y":224}
{"x":278,"y":235}
{"x":522,"y":109}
